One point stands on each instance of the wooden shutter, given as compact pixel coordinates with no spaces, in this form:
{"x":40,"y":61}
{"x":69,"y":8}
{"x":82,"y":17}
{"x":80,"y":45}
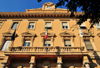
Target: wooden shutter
{"x":88,"y":45}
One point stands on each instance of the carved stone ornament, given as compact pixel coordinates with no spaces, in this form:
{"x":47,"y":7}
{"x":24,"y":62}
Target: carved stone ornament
{"x":8,"y":34}
{"x":66,"y":34}
{"x":49,"y":3}
{"x":25,"y":34}
{"x":49,"y":34}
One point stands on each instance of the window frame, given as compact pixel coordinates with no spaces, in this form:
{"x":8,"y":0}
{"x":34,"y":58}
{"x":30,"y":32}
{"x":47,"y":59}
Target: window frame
{"x":34,"y":25}
{"x":70,"y":42}
{"x":45,"y":25}
{"x":50,"y":43}
{"x":13,"y":23}
{"x":1,"y":24}
{"x":67,"y":24}
{"x":3,"y":42}
{"x":25,"y":41}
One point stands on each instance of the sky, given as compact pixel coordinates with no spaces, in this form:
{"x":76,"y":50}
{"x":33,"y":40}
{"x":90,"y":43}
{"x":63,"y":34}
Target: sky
{"x":21,"y":5}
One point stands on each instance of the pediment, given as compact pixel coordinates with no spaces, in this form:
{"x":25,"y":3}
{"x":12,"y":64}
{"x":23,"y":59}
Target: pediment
{"x":28,"y":34}
{"x":87,"y":34}
{"x":7,"y":34}
{"x":67,"y":34}
{"x":50,"y":34}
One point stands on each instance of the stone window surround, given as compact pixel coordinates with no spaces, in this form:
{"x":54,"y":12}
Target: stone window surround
{"x":67,"y":36}
{"x":34,"y":25}
{"x":6,"y":36}
{"x":67,"y":24}
{"x":51,"y":25}
{"x":91,"y":40}
{"x":50,"y":37}
{"x":28,"y":36}
{"x":13,"y":23}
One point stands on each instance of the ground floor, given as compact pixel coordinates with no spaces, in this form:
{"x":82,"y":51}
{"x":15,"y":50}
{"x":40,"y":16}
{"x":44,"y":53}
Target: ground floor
{"x":45,"y":61}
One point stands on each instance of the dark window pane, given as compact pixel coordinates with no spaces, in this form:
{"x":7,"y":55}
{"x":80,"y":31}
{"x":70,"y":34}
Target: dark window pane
{"x":28,"y":44}
{"x":45,"y":45}
{"x":49,"y":44}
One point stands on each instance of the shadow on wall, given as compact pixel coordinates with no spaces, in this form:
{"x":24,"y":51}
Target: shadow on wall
{"x":96,"y":61}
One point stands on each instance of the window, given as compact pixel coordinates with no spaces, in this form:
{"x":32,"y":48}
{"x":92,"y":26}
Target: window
{"x":27,"y":43}
{"x":67,"y":43}
{"x":47,"y":42}
{"x":83,"y":26}
{"x":48,"y":25}
{"x":64,"y":25}
{"x":14,"y":26}
{"x":88,"y":45}
{"x":31,"y":25}
{"x":48,"y":7}
{"x":97,"y":25}
{"x":6,"y":45}
{"x":0,"y":24}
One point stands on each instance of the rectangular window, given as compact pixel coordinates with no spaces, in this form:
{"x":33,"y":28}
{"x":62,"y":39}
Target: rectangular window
{"x":83,"y":26}
{"x":31,"y":25}
{"x":88,"y":45}
{"x":64,"y":25}
{"x":6,"y":45}
{"x":48,"y":25}
{"x":26,"y":43}
{"x":67,"y":43}
{"x":47,"y":42}
{"x":0,"y":24}
{"x":14,"y":26}
{"x":97,"y":25}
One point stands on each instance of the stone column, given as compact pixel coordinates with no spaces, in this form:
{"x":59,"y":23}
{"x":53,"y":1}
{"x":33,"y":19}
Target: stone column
{"x":32,"y":61}
{"x":59,"y":61}
{"x":86,"y":62}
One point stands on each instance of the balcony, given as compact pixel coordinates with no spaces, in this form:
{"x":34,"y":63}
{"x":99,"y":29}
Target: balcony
{"x":46,"y":50}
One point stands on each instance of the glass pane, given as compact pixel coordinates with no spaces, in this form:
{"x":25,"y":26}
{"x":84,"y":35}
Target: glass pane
{"x":28,"y":44}
{"x":45,"y":44}
{"x":6,"y":45}
{"x":49,"y":44}
{"x":14,"y":25}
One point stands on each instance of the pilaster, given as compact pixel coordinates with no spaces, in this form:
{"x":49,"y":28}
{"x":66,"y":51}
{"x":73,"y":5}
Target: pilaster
{"x":32,"y":61}
{"x":86,"y":62}
{"x":59,"y":61}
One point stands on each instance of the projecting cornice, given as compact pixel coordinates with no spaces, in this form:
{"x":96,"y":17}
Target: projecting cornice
{"x":34,"y":15}
{"x":28,"y":34}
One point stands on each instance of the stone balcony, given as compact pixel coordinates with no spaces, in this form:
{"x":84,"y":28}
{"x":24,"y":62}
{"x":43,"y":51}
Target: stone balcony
{"x":46,"y":50}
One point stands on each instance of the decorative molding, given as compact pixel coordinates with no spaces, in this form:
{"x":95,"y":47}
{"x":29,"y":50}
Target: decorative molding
{"x":8,"y":34}
{"x":66,"y":34}
{"x":28,"y":34}
{"x":49,"y":34}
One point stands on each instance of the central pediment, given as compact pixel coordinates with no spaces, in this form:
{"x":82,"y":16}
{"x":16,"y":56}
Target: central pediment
{"x":66,"y":34}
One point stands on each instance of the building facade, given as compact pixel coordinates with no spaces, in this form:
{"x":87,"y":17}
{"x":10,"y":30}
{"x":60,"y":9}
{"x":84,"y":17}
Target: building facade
{"x":64,"y":48}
